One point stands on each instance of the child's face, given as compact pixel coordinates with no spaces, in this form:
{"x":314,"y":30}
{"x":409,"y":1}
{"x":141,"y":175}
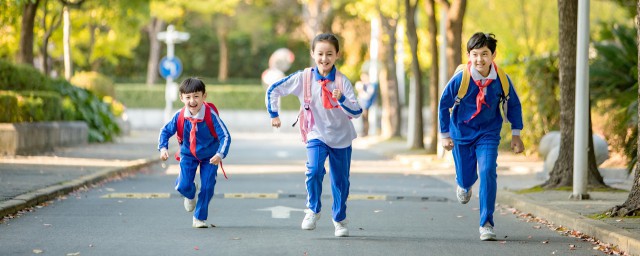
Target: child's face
{"x":481,"y":59}
{"x":324,"y":54}
{"x":193,"y":101}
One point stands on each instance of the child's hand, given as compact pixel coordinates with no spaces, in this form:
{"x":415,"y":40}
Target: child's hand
{"x":164,"y":154}
{"x":215,"y":160}
{"x":275,"y":122}
{"x":516,"y":144}
{"x":337,"y":94}
{"x":447,"y":144}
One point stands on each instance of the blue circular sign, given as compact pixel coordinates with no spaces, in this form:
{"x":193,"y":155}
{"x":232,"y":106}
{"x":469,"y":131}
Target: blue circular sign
{"x":170,"y":67}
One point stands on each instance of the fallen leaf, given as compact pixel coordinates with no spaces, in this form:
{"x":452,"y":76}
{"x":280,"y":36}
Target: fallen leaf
{"x":37,"y":251}
{"x":213,"y":226}
{"x":110,"y":189}
{"x":545,"y":241}
{"x":618,"y":220}
{"x":529,"y":237}
{"x":572,"y":247}
{"x":475,"y":209}
{"x":235,"y":238}
{"x":196,"y":248}
{"x":47,"y":225}
{"x":503,"y":242}
{"x":377,"y":211}
{"x":459,"y":216}
{"x":73,"y":254}
{"x":537,"y":227}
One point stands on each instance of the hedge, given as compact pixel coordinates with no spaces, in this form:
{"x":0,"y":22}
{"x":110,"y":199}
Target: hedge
{"x":9,"y":107}
{"x":30,"y":106}
{"x":224,"y":96}
{"x":19,"y":77}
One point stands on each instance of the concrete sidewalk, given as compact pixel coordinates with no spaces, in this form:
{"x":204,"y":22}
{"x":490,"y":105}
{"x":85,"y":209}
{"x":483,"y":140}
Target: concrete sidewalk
{"x":29,"y":181}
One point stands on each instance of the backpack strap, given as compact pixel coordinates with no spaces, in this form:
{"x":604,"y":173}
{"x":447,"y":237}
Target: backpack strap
{"x":504,"y":81}
{"x":338,"y":81}
{"x":180,"y":126}
{"x":466,"y":77}
{"x":209,"y":120}
{"x":306,"y":86}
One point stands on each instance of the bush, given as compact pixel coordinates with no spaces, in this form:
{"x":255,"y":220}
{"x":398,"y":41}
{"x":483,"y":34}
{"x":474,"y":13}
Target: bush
{"x":101,"y":122}
{"x":9,"y":107}
{"x":21,"y":78}
{"x":35,"y":106}
{"x":95,"y":82}
{"x":224,"y":96}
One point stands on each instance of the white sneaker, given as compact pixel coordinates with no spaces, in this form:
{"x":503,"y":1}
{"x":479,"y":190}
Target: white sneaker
{"x":486,"y":233}
{"x":199,"y":223}
{"x":463,"y":196}
{"x":341,"y":228}
{"x":309,"y":221}
{"x":190,"y":204}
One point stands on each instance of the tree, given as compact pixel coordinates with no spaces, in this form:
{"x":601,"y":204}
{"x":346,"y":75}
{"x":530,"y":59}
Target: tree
{"x":55,"y":21}
{"x":153,"y":28}
{"x":562,"y":173}
{"x":455,"y":15}
{"x":632,"y":205}
{"x":25,"y":54}
{"x":415,"y":105}
{"x":433,"y":74}
{"x":391,"y":112}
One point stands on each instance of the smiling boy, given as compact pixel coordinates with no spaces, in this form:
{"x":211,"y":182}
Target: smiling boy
{"x":470,"y":126}
{"x":202,"y":146}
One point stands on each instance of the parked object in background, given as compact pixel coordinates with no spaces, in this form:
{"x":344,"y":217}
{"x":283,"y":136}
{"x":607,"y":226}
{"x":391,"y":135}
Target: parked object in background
{"x":549,"y":149}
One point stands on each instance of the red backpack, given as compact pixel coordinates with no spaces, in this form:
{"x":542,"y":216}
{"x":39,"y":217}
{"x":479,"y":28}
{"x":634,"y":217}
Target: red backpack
{"x":207,"y":119}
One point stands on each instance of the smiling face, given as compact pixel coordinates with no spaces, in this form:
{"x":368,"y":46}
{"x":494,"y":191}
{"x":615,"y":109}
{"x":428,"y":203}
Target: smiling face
{"x":481,"y":59}
{"x":324,"y":55}
{"x":193,"y":101}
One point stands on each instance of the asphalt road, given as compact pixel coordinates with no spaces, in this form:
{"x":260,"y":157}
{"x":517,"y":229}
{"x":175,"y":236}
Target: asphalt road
{"x":258,"y":211}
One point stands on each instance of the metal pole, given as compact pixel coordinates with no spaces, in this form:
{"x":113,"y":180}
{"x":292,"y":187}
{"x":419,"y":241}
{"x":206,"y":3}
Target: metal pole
{"x":444,"y":77}
{"x":581,"y":132}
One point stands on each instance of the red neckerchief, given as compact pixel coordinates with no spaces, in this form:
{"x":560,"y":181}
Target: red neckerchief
{"x":327,"y":96}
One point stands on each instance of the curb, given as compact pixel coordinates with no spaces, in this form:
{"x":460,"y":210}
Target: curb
{"x":625,"y":240}
{"x":42,"y":195}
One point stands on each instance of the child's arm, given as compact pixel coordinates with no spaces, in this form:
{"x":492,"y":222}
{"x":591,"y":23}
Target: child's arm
{"x":347,"y":99}
{"x":166,"y":133}
{"x":514,"y":115}
{"x":447,"y":101}
{"x":223,"y":136}
{"x":291,"y":84}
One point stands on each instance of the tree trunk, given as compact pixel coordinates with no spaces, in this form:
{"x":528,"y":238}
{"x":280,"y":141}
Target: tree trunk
{"x":391,"y":113}
{"x":417,"y":141}
{"x":223,"y":68}
{"x":25,"y":54}
{"x":594,"y":179}
{"x":432,"y":146}
{"x":55,"y":23}
{"x":632,"y":204}
{"x":455,"y":16}
{"x":66,"y":42}
{"x":562,"y":173}
{"x":154,"y":27}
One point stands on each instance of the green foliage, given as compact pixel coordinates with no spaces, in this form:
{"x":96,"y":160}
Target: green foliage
{"x":36,"y":106}
{"x":95,"y":82}
{"x":21,"y":77}
{"x":613,"y":77}
{"x":101,"y":122}
{"x":9,"y":107}
{"x":537,"y":87}
{"x":224,"y":96}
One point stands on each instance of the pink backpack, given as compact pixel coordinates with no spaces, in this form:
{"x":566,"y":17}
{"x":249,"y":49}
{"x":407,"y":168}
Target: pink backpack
{"x":305,"y":117}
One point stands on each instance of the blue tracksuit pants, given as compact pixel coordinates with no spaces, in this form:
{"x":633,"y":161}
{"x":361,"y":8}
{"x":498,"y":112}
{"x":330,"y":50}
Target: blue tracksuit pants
{"x":186,"y":186}
{"x":475,"y":159}
{"x":340,"y":164}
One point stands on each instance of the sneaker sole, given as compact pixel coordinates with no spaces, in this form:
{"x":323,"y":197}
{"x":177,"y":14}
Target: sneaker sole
{"x":487,"y":238}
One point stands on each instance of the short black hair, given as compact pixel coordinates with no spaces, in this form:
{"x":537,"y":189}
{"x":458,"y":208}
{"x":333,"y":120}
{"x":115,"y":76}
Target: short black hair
{"x":191,"y":85}
{"x":328,"y":37}
{"x":480,"y":39}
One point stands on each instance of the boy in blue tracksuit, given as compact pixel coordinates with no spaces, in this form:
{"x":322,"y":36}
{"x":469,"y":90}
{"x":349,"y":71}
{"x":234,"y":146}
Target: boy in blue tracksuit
{"x":471,"y":126}
{"x":200,"y":147}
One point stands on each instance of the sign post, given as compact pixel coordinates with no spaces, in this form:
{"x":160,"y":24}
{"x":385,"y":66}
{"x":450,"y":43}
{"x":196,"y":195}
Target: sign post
{"x":170,"y":66}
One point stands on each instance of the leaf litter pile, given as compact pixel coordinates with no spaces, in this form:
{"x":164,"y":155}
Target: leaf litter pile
{"x":606,"y":248}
